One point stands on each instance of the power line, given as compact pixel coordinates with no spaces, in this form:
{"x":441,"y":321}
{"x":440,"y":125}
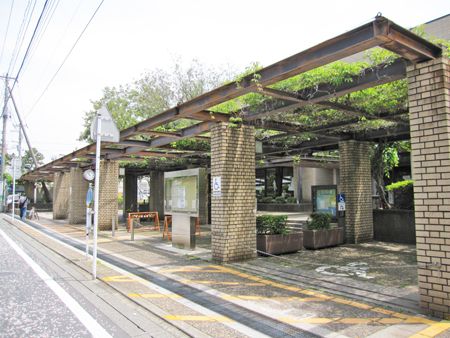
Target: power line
{"x":65,"y":58}
{"x":26,"y":54}
{"x":7,"y":29}
{"x":21,"y":36}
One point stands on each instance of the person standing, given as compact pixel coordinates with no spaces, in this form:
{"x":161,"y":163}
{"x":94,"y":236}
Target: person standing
{"x":23,"y":205}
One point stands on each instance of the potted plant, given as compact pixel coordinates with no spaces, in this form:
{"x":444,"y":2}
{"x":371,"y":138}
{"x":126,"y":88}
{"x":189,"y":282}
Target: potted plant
{"x":274,"y":238}
{"x":320,"y":234}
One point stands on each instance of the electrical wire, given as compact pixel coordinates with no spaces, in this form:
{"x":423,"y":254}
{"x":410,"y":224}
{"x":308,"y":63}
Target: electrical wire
{"x":21,"y":35}
{"x":48,"y":17}
{"x":7,"y":29}
{"x":26,"y":53}
{"x":65,"y":58}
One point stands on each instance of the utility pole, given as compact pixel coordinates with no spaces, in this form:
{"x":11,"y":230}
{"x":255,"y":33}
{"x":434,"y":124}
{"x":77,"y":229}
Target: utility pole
{"x":4,"y":149}
{"x":36,"y":164}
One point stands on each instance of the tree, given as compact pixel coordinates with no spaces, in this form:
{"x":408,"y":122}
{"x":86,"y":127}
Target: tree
{"x":156,"y":91}
{"x":28,"y":162}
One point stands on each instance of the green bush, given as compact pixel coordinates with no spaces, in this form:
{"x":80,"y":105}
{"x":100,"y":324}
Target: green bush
{"x":267,"y":199}
{"x":280,"y":200}
{"x":271,"y":225}
{"x":319,"y":220}
{"x":291,"y":199}
{"x":399,"y":185}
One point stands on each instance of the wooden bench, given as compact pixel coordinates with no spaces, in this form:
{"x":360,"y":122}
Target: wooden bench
{"x":144,"y":214}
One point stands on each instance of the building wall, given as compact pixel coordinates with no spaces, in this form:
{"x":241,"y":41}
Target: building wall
{"x":315,"y":176}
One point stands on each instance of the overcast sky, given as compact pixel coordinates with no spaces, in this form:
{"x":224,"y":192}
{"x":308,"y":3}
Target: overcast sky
{"x":129,"y":37}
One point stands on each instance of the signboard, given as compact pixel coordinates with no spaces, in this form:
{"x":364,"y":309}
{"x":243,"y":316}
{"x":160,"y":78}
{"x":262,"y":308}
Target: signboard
{"x":341,"y":202}
{"x":181,"y":192}
{"x":217,"y":186}
{"x":324,"y":199}
{"x":109,"y":131}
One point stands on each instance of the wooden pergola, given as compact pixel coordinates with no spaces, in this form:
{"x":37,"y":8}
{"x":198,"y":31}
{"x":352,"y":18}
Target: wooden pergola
{"x":380,"y":32}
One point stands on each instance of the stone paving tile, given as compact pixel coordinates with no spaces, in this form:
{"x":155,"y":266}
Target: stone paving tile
{"x":333,"y":314}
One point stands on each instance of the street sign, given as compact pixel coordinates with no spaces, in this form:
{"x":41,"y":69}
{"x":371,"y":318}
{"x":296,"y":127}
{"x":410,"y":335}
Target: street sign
{"x":217,"y":186}
{"x":109,"y":131}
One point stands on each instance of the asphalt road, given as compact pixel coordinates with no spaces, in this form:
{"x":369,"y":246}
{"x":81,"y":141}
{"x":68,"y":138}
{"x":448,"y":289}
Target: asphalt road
{"x":29,"y":308}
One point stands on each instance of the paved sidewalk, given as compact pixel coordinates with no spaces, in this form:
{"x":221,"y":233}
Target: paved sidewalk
{"x":206,"y":299}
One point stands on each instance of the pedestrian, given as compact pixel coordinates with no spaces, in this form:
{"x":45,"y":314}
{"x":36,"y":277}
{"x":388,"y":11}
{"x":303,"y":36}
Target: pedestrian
{"x":23,"y":204}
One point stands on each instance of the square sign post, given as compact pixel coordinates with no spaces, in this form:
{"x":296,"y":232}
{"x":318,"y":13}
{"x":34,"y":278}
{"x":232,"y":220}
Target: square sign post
{"x":103,"y":128}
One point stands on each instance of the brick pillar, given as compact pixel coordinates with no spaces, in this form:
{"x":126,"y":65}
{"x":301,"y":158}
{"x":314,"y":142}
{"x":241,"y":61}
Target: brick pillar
{"x":129,"y":193}
{"x":77,"y":196}
{"x":109,"y":183}
{"x":429,"y":114}
{"x":233,"y":213}
{"x":356,"y":184}
{"x":156,"y":199}
{"x":61,"y":195}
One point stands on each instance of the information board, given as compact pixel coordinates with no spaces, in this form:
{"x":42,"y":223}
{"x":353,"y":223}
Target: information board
{"x":324,"y":199}
{"x":181,"y":191}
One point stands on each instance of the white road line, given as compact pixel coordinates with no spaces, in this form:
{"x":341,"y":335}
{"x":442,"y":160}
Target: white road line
{"x":85,"y":318}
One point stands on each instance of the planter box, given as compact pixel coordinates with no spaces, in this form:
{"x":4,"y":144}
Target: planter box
{"x":316,"y":239}
{"x":279,"y":244}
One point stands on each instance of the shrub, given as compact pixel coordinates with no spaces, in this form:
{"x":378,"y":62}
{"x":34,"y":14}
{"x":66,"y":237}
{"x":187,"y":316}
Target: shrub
{"x":280,"y":199}
{"x":399,"y":185}
{"x":319,"y":220}
{"x":403,"y":194}
{"x":291,"y":199}
{"x":271,"y":224}
{"x":267,"y":199}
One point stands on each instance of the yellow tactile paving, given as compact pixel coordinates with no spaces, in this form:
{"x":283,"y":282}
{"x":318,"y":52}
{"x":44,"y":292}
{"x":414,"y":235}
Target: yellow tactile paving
{"x":193,"y":281}
{"x":281,"y":299}
{"x":153,"y":295}
{"x":433,"y":330}
{"x":198,"y":318}
{"x":118,"y":279}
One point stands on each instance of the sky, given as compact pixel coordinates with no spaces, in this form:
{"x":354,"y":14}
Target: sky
{"x":127,"y":38}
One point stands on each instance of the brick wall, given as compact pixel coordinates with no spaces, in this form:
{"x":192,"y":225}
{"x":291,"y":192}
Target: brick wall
{"x":233,"y":213}
{"x":61,"y":195}
{"x":356,"y":184}
{"x":77,"y":198}
{"x":109,"y":182}
{"x":429,"y":112}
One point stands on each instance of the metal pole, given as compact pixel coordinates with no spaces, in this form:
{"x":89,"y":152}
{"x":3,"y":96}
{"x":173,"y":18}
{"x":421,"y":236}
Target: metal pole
{"x":96,"y":193}
{"x":30,"y":148}
{"x":113,"y":226}
{"x":88,"y":229}
{"x":14,"y":187}
{"x":4,"y":150}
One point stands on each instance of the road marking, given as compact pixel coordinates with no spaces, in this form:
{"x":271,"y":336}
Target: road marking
{"x":85,"y":318}
{"x":199,"y":318}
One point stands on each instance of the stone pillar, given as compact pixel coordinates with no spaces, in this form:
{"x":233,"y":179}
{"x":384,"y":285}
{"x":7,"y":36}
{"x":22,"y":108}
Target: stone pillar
{"x":233,"y":212}
{"x":29,"y":191}
{"x":429,"y":114}
{"x":61,"y":195}
{"x":77,"y":197}
{"x":109,"y":183}
{"x":356,"y":184}
{"x":156,"y":200}
{"x":129,"y":193}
